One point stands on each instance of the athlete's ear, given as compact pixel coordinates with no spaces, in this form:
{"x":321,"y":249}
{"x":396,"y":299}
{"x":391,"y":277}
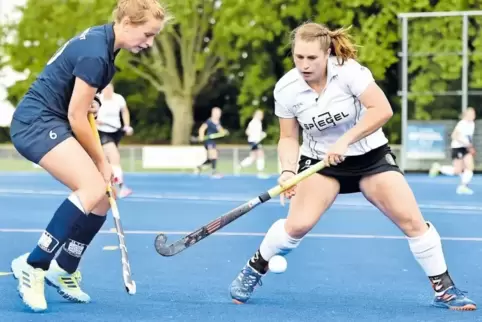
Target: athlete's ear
{"x":125,"y":23}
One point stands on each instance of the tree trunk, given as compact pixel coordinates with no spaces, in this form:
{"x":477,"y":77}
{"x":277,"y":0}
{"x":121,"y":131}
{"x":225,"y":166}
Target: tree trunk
{"x":182,"y":115}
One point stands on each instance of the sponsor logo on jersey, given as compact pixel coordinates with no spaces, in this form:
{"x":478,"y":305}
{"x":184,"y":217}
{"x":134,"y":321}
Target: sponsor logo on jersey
{"x":325,"y":121}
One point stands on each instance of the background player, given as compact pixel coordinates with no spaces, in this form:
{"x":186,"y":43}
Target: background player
{"x":341,"y":111}
{"x":51,"y":128}
{"x":255,"y":134}
{"x":211,"y":126}
{"x":463,"y":152}
{"x":111,"y":115}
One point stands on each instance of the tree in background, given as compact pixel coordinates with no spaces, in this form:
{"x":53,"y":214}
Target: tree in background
{"x":180,"y":64}
{"x":214,"y":47}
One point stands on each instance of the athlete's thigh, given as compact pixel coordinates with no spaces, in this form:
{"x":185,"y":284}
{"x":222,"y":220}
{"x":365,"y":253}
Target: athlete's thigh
{"x":69,"y":163}
{"x":111,"y":152}
{"x":314,"y":196}
{"x":458,"y":165}
{"x":212,"y":152}
{"x":49,"y":141}
{"x":391,"y":194}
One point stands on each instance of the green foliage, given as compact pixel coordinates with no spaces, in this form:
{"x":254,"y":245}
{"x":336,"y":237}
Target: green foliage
{"x":238,"y":46}
{"x":45,"y":25}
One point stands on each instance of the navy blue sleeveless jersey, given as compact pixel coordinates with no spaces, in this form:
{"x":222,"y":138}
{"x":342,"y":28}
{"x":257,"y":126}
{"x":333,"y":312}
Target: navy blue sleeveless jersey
{"x":212,"y":127}
{"x":88,"y":56}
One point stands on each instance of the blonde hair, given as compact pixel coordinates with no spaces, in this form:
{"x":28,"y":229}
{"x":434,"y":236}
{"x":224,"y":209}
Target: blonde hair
{"x":339,"y":41}
{"x":138,"y":11}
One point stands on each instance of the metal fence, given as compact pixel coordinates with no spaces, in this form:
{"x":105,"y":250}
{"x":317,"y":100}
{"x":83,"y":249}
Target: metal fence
{"x":229,"y":158}
{"x":231,"y":155}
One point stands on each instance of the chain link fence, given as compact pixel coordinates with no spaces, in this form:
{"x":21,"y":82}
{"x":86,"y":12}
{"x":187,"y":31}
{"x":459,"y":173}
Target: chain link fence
{"x":131,"y":156}
{"x":231,"y":155}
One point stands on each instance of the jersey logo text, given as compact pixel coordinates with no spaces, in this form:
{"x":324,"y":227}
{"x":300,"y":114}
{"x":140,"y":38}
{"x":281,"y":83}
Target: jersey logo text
{"x":325,"y":121}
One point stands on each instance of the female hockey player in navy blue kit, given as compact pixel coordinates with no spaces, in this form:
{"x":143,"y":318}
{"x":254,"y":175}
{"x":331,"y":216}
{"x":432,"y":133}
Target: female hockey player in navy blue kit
{"x":50,"y":127}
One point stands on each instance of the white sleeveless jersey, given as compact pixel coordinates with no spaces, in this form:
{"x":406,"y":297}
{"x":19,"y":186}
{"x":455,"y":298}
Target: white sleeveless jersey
{"x":255,"y":130}
{"x":465,"y":130}
{"x":325,"y":118}
{"x":109,"y":113}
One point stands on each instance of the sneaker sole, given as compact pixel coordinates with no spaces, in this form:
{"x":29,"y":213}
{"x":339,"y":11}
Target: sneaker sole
{"x":36,"y":310}
{"x":20,"y":294}
{"x":63,"y":294}
{"x":467,"y":307}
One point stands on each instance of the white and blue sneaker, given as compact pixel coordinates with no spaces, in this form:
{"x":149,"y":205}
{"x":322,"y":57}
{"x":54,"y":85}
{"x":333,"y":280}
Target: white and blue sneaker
{"x":31,"y":287}
{"x":454,"y":299}
{"x":243,"y":286}
{"x":67,"y":285}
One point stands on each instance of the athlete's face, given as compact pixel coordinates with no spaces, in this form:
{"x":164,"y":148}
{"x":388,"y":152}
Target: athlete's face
{"x":310,"y":59}
{"x":259,"y":115}
{"x":470,"y":115}
{"x":216,"y":114}
{"x":139,"y":37}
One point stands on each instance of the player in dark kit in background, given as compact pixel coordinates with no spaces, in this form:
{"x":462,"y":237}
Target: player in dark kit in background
{"x":211,"y":126}
{"x":51,"y":128}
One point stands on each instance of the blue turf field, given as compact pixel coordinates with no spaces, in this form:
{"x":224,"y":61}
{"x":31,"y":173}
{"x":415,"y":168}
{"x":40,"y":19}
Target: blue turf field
{"x":354,"y":266}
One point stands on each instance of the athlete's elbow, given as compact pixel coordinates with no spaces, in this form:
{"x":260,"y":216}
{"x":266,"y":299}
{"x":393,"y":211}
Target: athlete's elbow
{"x":73,"y":118}
{"x":386,"y":113}
{"x":76,"y":119}
{"x":389,"y":113}
{"x":287,"y":140}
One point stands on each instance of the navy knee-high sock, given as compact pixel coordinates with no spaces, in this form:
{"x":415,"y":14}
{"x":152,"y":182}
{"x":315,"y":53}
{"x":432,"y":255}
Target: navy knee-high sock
{"x":56,"y":233}
{"x":81,"y":236}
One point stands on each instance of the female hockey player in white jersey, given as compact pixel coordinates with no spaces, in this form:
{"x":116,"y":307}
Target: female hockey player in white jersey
{"x":255,"y":134}
{"x":341,"y":111}
{"x":114,"y":110}
{"x":462,"y":153}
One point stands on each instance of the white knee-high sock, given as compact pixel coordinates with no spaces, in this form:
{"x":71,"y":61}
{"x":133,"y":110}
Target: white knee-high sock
{"x":247,"y":162}
{"x":427,"y":250}
{"x":448,"y":170}
{"x":276,"y":242}
{"x":260,"y":164}
{"x":466,"y":177}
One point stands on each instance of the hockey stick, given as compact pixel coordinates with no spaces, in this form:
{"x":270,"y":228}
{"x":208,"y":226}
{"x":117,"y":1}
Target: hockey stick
{"x":129,"y":283}
{"x":187,"y":241}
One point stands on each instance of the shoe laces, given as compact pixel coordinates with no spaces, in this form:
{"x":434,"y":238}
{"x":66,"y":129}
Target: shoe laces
{"x":454,"y":290}
{"x":250,"y":278}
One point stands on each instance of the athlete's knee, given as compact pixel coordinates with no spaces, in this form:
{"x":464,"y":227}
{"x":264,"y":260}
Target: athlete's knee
{"x":102,"y":207}
{"x":300,"y":227}
{"x":278,"y":241}
{"x":411,"y":222}
{"x":92,"y":192}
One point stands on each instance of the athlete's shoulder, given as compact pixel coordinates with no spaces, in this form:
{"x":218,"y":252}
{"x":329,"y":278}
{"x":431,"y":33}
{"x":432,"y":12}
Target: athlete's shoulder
{"x":349,"y":67}
{"x":289,"y":83}
{"x":120,"y":99}
{"x":92,"y":42}
{"x":252,"y":122}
